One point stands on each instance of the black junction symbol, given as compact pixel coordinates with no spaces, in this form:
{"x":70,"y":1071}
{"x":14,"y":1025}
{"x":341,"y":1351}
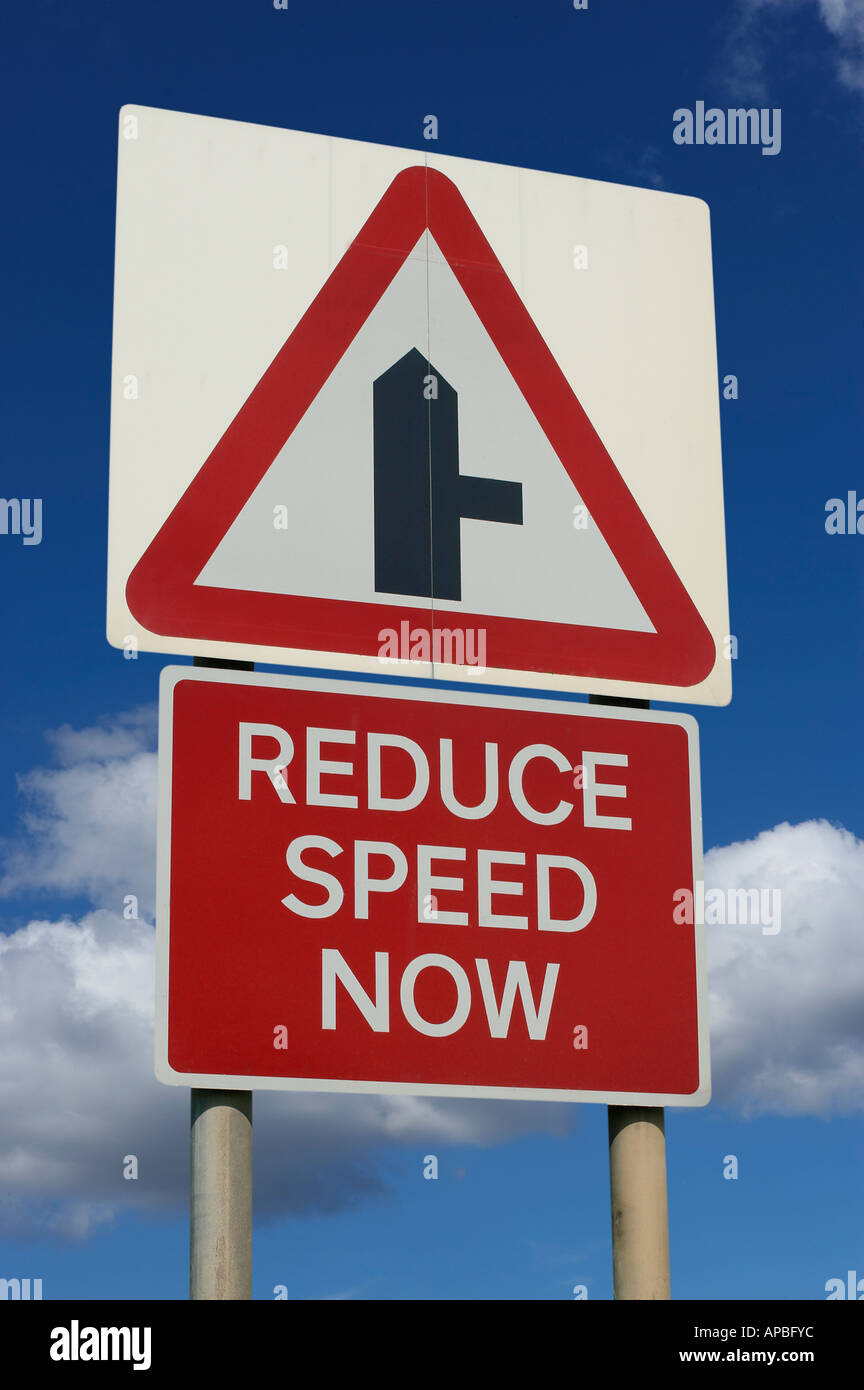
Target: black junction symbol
{"x":420,"y":495}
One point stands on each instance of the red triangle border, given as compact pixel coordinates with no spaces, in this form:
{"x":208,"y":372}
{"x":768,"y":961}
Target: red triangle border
{"x":161,"y":591}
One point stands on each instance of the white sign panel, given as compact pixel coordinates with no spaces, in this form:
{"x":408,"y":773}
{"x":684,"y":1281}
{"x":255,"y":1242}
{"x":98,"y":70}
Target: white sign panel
{"x":388,"y":410}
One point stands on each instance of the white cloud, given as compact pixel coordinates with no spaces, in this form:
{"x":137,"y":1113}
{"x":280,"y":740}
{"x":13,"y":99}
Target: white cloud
{"x":845,"y":19}
{"x":756,"y":22}
{"x":76,"y":1003}
{"x":116,"y":736}
{"x":77,"y":1091}
{"x":90,"y":825}
{"x":787,"y":1010}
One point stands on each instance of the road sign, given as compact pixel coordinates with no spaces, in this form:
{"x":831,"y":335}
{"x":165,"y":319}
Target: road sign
{"x":384,"y":412}
{"x":406,"y":889}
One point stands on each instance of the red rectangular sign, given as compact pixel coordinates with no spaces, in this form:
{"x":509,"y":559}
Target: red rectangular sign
{"x":408,"y":889}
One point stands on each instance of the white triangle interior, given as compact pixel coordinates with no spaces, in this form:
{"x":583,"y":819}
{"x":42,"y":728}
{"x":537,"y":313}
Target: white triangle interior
{"x":321,"y":481}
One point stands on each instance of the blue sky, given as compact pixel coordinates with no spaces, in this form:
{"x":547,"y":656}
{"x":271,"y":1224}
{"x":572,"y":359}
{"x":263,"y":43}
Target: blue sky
{"x":520,"y":1209}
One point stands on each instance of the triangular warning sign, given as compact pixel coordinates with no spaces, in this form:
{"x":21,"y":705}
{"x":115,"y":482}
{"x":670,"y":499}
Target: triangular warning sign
{"x":196,"y":581}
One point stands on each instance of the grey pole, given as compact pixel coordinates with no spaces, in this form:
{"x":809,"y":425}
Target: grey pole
{"x":220,"y":1212}
{"x":637,"y":1180}
{"x":220,"y":1244}
{"x":640,"y":1220}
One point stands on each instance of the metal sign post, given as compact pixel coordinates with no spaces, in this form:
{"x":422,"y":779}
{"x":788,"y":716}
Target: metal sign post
{"x":220,"y":1245}
{"x":637,"y":1180}
{"x":220,"y":1207}
{"x":640,"y":1221}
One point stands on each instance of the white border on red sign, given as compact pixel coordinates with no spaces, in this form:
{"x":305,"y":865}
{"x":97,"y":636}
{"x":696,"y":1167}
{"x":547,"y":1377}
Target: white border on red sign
{"x":172,"y":675}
